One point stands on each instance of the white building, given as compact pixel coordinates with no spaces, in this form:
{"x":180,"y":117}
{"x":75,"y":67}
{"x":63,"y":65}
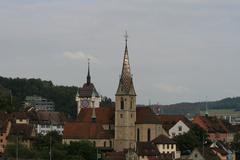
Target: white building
{"x":178,"y":129}
{"x":50,"y":121}
{"x":174,"y":125}
{"x":39,"y":103}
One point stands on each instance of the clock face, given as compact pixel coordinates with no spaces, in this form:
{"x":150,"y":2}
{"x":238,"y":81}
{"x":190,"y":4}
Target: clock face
{"x":85,"y":103}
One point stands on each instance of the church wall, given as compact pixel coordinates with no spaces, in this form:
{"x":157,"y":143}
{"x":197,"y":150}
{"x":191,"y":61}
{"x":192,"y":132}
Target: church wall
{"x":155,"y":131}
{"x":98,"y":142}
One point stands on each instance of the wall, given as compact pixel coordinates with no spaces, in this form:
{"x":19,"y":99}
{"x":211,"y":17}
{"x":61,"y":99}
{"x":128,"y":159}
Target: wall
{"x":156,"y":130}
{"x":175,"y":129}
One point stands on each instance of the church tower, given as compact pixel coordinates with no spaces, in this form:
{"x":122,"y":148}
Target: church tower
{"x":125,"y":108}
{"x":87,"y":96}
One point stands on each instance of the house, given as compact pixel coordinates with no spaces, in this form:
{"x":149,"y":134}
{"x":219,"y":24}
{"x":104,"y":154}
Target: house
{"x":147,"y":150}
{"x":222,"y":150}
{"x":38,"y":103}
{"x":25,"y":133}
{"x":216,"y":129}
{"x":166,"y":145}
{"x":19,"y":118}
{"x":5,"y":126}
{"x":49,"y":121}
{"x":175,"y":125}
{"x":204,"y":153}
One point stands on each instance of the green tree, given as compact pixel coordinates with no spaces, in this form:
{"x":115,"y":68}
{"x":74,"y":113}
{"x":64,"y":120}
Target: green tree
{"x":82,"y":149}
{"x":194,"y":138}
{"x":236,"y":142}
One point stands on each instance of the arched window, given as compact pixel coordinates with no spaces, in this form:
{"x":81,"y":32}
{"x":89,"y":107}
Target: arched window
{"x":138,"y":135}
{"x":149,"y":134}
{"x":122,"y":103}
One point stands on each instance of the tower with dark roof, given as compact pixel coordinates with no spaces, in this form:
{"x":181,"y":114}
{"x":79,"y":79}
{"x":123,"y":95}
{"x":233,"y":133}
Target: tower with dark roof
{"x":87,"y":95}
{"x":125,"y":108}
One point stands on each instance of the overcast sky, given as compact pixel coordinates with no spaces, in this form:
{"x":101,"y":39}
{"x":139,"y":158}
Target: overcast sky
{"x":180,"y":50}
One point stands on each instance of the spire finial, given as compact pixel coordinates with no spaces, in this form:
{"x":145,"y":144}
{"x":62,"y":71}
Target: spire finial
{"x":88,"y":75}
{"x":126,"y":37}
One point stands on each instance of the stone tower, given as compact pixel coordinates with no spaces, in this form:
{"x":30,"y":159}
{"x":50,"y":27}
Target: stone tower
{"x":125,"y":108}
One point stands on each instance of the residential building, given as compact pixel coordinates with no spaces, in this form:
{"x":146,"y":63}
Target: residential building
{"x":217,"y":129}
{"x":39,"y":103}
{"x":166,"y":145}
{"x":5,"y":126}
{"x":50,"y":121}
{"x":175,"y":125}
{"x":25,"y":133}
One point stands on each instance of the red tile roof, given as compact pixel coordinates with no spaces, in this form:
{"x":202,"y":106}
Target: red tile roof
{"x":162,"y":139}
{"x":81,"y":130}
{"x":168,"y":121}
{"x":220,"y":150}
{"x":147,"y":149}
{"x":55,"y":118}
{"x":104,"y":115}
{"x":114,"y":156}
{"x":25,"y":130}
{"x":87,"y":90}
{"x":211,"y":124}
{"x":145,"y":115}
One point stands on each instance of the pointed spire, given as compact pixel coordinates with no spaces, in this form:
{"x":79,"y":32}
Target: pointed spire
{"x":126,"y":84}
{"x":88,"y":75}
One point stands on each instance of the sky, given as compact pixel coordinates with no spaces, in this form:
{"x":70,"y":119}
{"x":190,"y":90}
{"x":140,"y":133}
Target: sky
{"x":180,"y":50}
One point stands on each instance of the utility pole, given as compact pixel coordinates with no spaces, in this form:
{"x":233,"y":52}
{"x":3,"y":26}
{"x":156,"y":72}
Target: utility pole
{"x":17,"y":148}
{"x":50,"y":140}
{"x":203,"y":145}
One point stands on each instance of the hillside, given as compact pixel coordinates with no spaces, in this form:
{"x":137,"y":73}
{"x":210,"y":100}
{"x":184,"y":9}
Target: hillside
{"x":195,"y":108}
{"x":62,"y":96}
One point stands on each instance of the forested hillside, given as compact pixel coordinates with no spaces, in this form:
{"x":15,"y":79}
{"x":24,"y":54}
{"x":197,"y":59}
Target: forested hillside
{"x":62,"y":96}
{"x":194,"y":108}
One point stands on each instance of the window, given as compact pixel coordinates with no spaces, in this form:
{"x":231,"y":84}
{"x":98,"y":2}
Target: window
{"x":104,"y":143}
{"x":122,"y":103}
{"x":94,"y":143}
{"x":180,"y":128}
{"x":131,"y":115}
{"x":1,"y":140}
{"x":173,"y":134}
{"x":121,"y":115}
{"x":167,"y":146}
{"x":163,"y":146}
{"x":172,"y":146}
{"x":131,"y":105}
{"x":149,"y":134}
{"x":138,"y":135}
{"x":196,"y":155}
{"x":110,"y":144}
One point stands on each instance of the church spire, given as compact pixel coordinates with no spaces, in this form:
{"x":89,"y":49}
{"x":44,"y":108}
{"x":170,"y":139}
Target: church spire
{"x":88,"y":75}
{"x":126,"y":83}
